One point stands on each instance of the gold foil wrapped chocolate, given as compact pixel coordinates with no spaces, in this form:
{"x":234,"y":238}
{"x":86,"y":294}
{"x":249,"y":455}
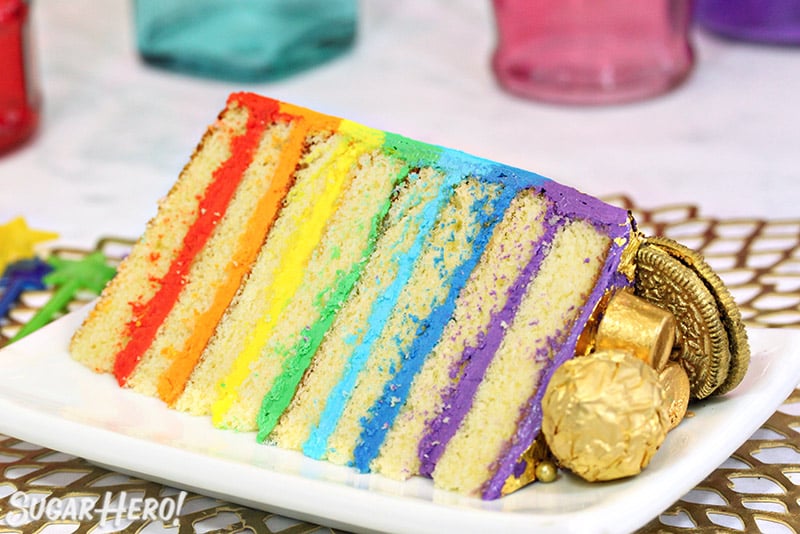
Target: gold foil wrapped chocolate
{"x":605,"y":415}
{"x":677,"y":390}
{"x":635,"y":325}
{"x":643,"y":356}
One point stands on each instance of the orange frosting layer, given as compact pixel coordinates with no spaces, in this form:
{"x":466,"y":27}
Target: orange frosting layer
{"x":173,"y":380}
{"x":148,"y":316}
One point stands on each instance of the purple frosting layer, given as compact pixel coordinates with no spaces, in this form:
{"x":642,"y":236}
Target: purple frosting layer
{"x":570,"y":202}
{"x":531,"y":417}
{"x":573,"y":204}
{"x":475,"y":359}
{"x":566,"y":204}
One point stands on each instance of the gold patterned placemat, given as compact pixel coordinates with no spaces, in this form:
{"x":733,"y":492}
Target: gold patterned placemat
{"x":759,"y":261}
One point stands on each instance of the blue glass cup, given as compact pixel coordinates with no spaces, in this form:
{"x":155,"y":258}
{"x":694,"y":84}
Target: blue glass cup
{"x":243,"y":40}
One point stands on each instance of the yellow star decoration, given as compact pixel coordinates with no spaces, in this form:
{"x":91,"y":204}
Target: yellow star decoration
{"x":17,"y":241}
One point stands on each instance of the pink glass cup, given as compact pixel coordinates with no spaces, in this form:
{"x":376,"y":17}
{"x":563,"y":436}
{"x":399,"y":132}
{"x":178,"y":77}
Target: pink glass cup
{"x":592,"y":51}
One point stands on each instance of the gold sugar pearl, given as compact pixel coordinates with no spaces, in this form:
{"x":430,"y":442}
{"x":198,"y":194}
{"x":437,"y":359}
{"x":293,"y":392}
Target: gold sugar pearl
{"x":546,"y":472}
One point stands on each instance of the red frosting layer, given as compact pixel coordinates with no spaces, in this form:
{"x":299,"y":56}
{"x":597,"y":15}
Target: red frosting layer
{"x":148,"y":316}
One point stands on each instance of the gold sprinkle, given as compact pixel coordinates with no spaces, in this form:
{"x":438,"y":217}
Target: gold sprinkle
{"x":546,"y":472}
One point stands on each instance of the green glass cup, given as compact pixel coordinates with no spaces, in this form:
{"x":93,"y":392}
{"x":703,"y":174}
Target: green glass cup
{"x":243,"y":40}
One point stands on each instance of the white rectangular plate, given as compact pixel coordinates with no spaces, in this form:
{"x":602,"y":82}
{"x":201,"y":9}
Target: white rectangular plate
{"x":49,"y":399}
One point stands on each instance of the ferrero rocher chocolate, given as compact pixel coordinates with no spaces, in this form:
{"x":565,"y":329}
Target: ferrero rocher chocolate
{"x":605,"y":415}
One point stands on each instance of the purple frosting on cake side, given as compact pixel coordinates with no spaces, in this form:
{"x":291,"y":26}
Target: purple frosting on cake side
{"x":531,"y":416}
{"x":457,"y":401}
{"x":576,"y":205}
{"x":570,"y":202}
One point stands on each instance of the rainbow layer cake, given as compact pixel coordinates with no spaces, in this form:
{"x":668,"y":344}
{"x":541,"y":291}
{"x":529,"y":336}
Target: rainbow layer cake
{"x":361,"y":297}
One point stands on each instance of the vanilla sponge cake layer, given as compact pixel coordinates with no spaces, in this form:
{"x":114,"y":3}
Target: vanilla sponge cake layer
{"x":369,"y":321}
{"x":285,"y":254}
{"x":418,"y":197}
{"x":458,"y":400}
{"x":255,"y":296}
{"x":327,"y":273}
{"x":213,"y":277}
{"x":426,"y":285}
{"x":549,"y":307}
{"x":333,"y":271}
{"x":393,"y":449}
{"x":358,"y":296}
{"x":114,"y":321}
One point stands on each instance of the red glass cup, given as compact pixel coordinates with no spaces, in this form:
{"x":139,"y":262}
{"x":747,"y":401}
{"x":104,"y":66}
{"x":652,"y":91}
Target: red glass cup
{"x":592,"y":51}
{"x":19,"y":96}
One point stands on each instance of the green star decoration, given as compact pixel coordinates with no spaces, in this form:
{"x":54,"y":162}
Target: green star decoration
{"x":90,"y":273}
{"x":17,"y":241}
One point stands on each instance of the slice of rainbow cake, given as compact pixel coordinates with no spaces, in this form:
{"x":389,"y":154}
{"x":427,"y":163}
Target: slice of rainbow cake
{"x":358,"y":296}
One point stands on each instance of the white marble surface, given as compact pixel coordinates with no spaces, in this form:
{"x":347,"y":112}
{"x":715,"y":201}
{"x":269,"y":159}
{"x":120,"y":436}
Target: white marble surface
{"x":116,"y":132}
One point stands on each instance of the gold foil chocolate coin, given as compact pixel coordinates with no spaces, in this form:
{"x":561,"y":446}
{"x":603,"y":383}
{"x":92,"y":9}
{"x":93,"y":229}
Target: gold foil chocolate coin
{"x":728,"y":310}
{"x":677,"y":390}
{"x":712,"y":344}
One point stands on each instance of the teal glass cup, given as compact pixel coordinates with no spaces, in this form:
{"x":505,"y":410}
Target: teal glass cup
{"x":243,"y":40}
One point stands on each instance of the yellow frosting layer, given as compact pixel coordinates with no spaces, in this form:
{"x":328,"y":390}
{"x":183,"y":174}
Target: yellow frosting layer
{"x":356,"y":140}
